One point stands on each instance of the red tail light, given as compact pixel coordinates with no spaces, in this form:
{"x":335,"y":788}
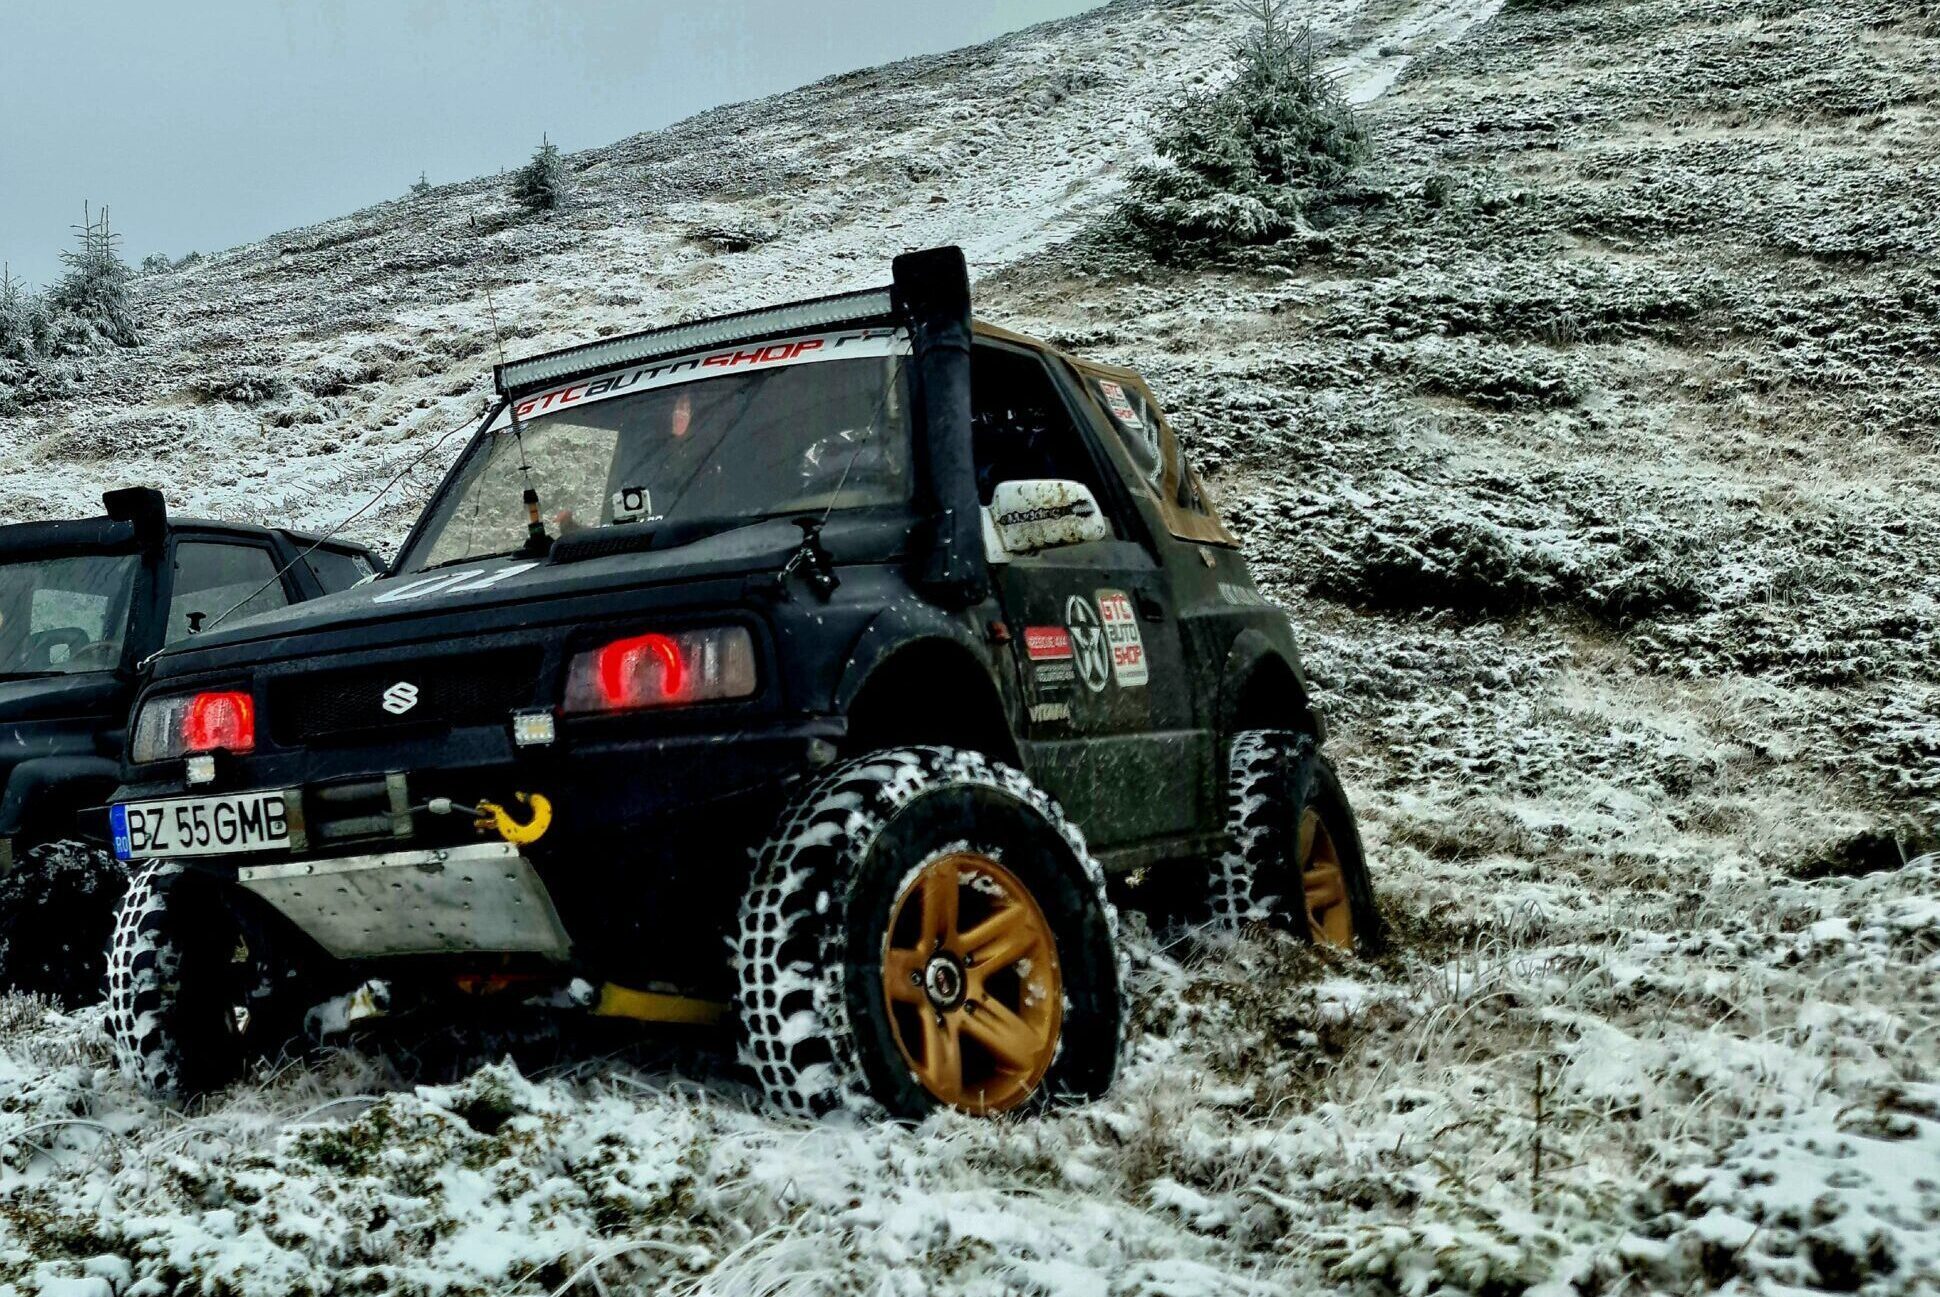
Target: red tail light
{"x":223,"y":721}
{"x":662,"y":670}
{"x":641,"y":671}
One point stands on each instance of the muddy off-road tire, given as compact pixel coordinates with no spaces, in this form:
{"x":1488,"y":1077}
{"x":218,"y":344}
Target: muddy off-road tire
{"x":1296,"y":858}
{"x":924,"y":930}
{"x":57,"y":908}
{"x":192,"y":996}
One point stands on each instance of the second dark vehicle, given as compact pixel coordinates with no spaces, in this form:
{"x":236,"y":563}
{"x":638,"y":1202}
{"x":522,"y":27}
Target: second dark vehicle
{"x":83,"y":603}
{"x":814,"y":664}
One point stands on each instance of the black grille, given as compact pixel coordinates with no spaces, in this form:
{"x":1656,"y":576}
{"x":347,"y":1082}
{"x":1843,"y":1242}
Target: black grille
{"x":477,"y":689}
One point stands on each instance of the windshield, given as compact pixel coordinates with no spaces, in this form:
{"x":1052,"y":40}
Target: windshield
{"x":780,"y":442}
{"x":63,"y":616}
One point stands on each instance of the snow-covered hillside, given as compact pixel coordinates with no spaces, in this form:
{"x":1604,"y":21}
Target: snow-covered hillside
{"x":1596,"y":458}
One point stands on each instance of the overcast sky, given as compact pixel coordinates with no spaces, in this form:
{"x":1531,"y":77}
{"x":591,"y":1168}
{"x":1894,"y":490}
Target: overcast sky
{"x":207,"y":123}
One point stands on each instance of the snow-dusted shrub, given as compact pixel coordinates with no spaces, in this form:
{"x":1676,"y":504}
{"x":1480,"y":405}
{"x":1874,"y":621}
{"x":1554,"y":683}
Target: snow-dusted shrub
{"x":740,"y":237}
{"x":340,"y":374}
{"x":23,"y":337}
{"x":421,"y":186}
{"x":1498,"y":380}
{"x":1473,"y":566}
{"x":243,"y":385}
{"x":23,"y":323}
{"x":89,"y":305}
{"x":1248,"y":162}
{"x":155,"y":263}
{"x":541,"y":184}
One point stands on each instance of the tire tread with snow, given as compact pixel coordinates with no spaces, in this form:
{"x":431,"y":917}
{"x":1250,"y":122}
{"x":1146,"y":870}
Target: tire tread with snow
{"x":1251,"y":881}
{"x":144,"y":984}
{"x":813,"y":1030}
{"x":57,"y":909}
{"x":192,"y":994}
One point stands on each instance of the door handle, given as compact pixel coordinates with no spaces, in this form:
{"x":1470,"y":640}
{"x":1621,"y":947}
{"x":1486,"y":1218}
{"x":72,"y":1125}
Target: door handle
{"x":1149,"y":606}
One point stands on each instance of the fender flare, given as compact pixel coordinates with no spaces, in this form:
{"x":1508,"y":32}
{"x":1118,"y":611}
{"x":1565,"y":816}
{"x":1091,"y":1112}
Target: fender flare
{"x":895,"y":630}
{"x":901,"y":629}
{"x":33,"y":780}
{"x":1252,"y":652}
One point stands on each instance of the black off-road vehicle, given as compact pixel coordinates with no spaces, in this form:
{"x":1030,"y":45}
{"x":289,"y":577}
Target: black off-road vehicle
{"x":815,"y":664}
{"x":82,"y":603}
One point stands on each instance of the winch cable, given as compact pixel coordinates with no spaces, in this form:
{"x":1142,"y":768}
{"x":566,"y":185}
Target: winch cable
{"x":811,"y":550}
{"x":304,"y":555}
{"x":498,"y":339}
{"x":868,"y":434}
{"x":535,"y":529}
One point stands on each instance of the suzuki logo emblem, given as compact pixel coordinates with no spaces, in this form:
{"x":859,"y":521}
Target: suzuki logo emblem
{"x":400,"y":698}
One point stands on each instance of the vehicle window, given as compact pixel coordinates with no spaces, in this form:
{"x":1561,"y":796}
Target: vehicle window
{"x":1154,"y":451}
{"x":64,"y":615}
{"x":337,"y":569}
{"x":1020,"y":426}
{"x":779,"y":442}
{"x":1141,"y":425}
{"x":212,"y":577}
{"x":1138,"y":426}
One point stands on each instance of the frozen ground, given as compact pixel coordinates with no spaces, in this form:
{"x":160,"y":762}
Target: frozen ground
{"x":1596,"y":458}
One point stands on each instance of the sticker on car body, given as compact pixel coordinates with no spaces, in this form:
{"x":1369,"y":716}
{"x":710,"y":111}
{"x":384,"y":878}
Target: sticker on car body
{"x":1047,"y":643}
{"x":775,"y":353}
{"x":1048,"y":649}
{"x":1120,"y":405}
{"x":1122,"y":638}
{"x":464,"y":581}
{"x":1090,"y":653}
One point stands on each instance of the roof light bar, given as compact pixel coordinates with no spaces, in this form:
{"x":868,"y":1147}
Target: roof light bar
{"x":744,"y":326}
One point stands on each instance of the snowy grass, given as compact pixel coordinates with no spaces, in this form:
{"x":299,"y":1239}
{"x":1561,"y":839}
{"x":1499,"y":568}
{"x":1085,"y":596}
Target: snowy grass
{"x":1730,"y":1085}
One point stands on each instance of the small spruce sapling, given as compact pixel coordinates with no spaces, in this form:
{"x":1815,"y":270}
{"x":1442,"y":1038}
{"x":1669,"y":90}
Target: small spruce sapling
{"x":541,"y":184}
{"x":22,"y":321}
{"x":1250,"y":161}
{"x":90,"y":304}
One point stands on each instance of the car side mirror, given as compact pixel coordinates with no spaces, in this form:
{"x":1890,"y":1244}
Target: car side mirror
{"x":1034,"y":514}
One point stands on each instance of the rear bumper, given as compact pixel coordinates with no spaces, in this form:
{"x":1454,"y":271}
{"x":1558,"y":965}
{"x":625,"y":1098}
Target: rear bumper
{"x":641,"y":870}
{"x":626,"y":789}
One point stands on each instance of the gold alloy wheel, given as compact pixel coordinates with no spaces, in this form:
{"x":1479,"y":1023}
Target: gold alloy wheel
{"x":975,"y":995}
{"x":1329,"y":916}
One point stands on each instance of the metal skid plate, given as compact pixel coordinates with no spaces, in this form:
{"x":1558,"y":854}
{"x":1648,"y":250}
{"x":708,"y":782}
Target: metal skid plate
{"x":481,"y":898}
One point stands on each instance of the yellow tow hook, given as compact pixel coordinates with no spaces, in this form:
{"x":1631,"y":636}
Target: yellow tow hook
{"x":495,"y":817}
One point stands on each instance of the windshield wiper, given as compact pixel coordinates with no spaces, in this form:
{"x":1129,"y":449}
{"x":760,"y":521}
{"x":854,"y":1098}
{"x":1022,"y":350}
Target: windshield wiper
{"x":471,"y":558}
{"x":632,"y":538}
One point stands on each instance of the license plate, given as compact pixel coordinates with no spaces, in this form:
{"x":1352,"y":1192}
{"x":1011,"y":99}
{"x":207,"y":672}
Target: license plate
{"x":207,"y":826}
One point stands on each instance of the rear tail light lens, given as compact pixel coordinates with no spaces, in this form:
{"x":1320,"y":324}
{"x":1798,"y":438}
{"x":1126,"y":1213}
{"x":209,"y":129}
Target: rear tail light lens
{"x":221,"y":720}
{"x":662,"y":670}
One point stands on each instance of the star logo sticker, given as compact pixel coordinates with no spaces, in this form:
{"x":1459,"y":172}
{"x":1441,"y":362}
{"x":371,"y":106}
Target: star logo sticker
{"x":1088,"y":647}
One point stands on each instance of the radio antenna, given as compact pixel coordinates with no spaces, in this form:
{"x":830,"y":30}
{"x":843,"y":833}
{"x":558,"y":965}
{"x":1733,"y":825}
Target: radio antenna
{"x":536,"y":539}
{"x":491,"y":308}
